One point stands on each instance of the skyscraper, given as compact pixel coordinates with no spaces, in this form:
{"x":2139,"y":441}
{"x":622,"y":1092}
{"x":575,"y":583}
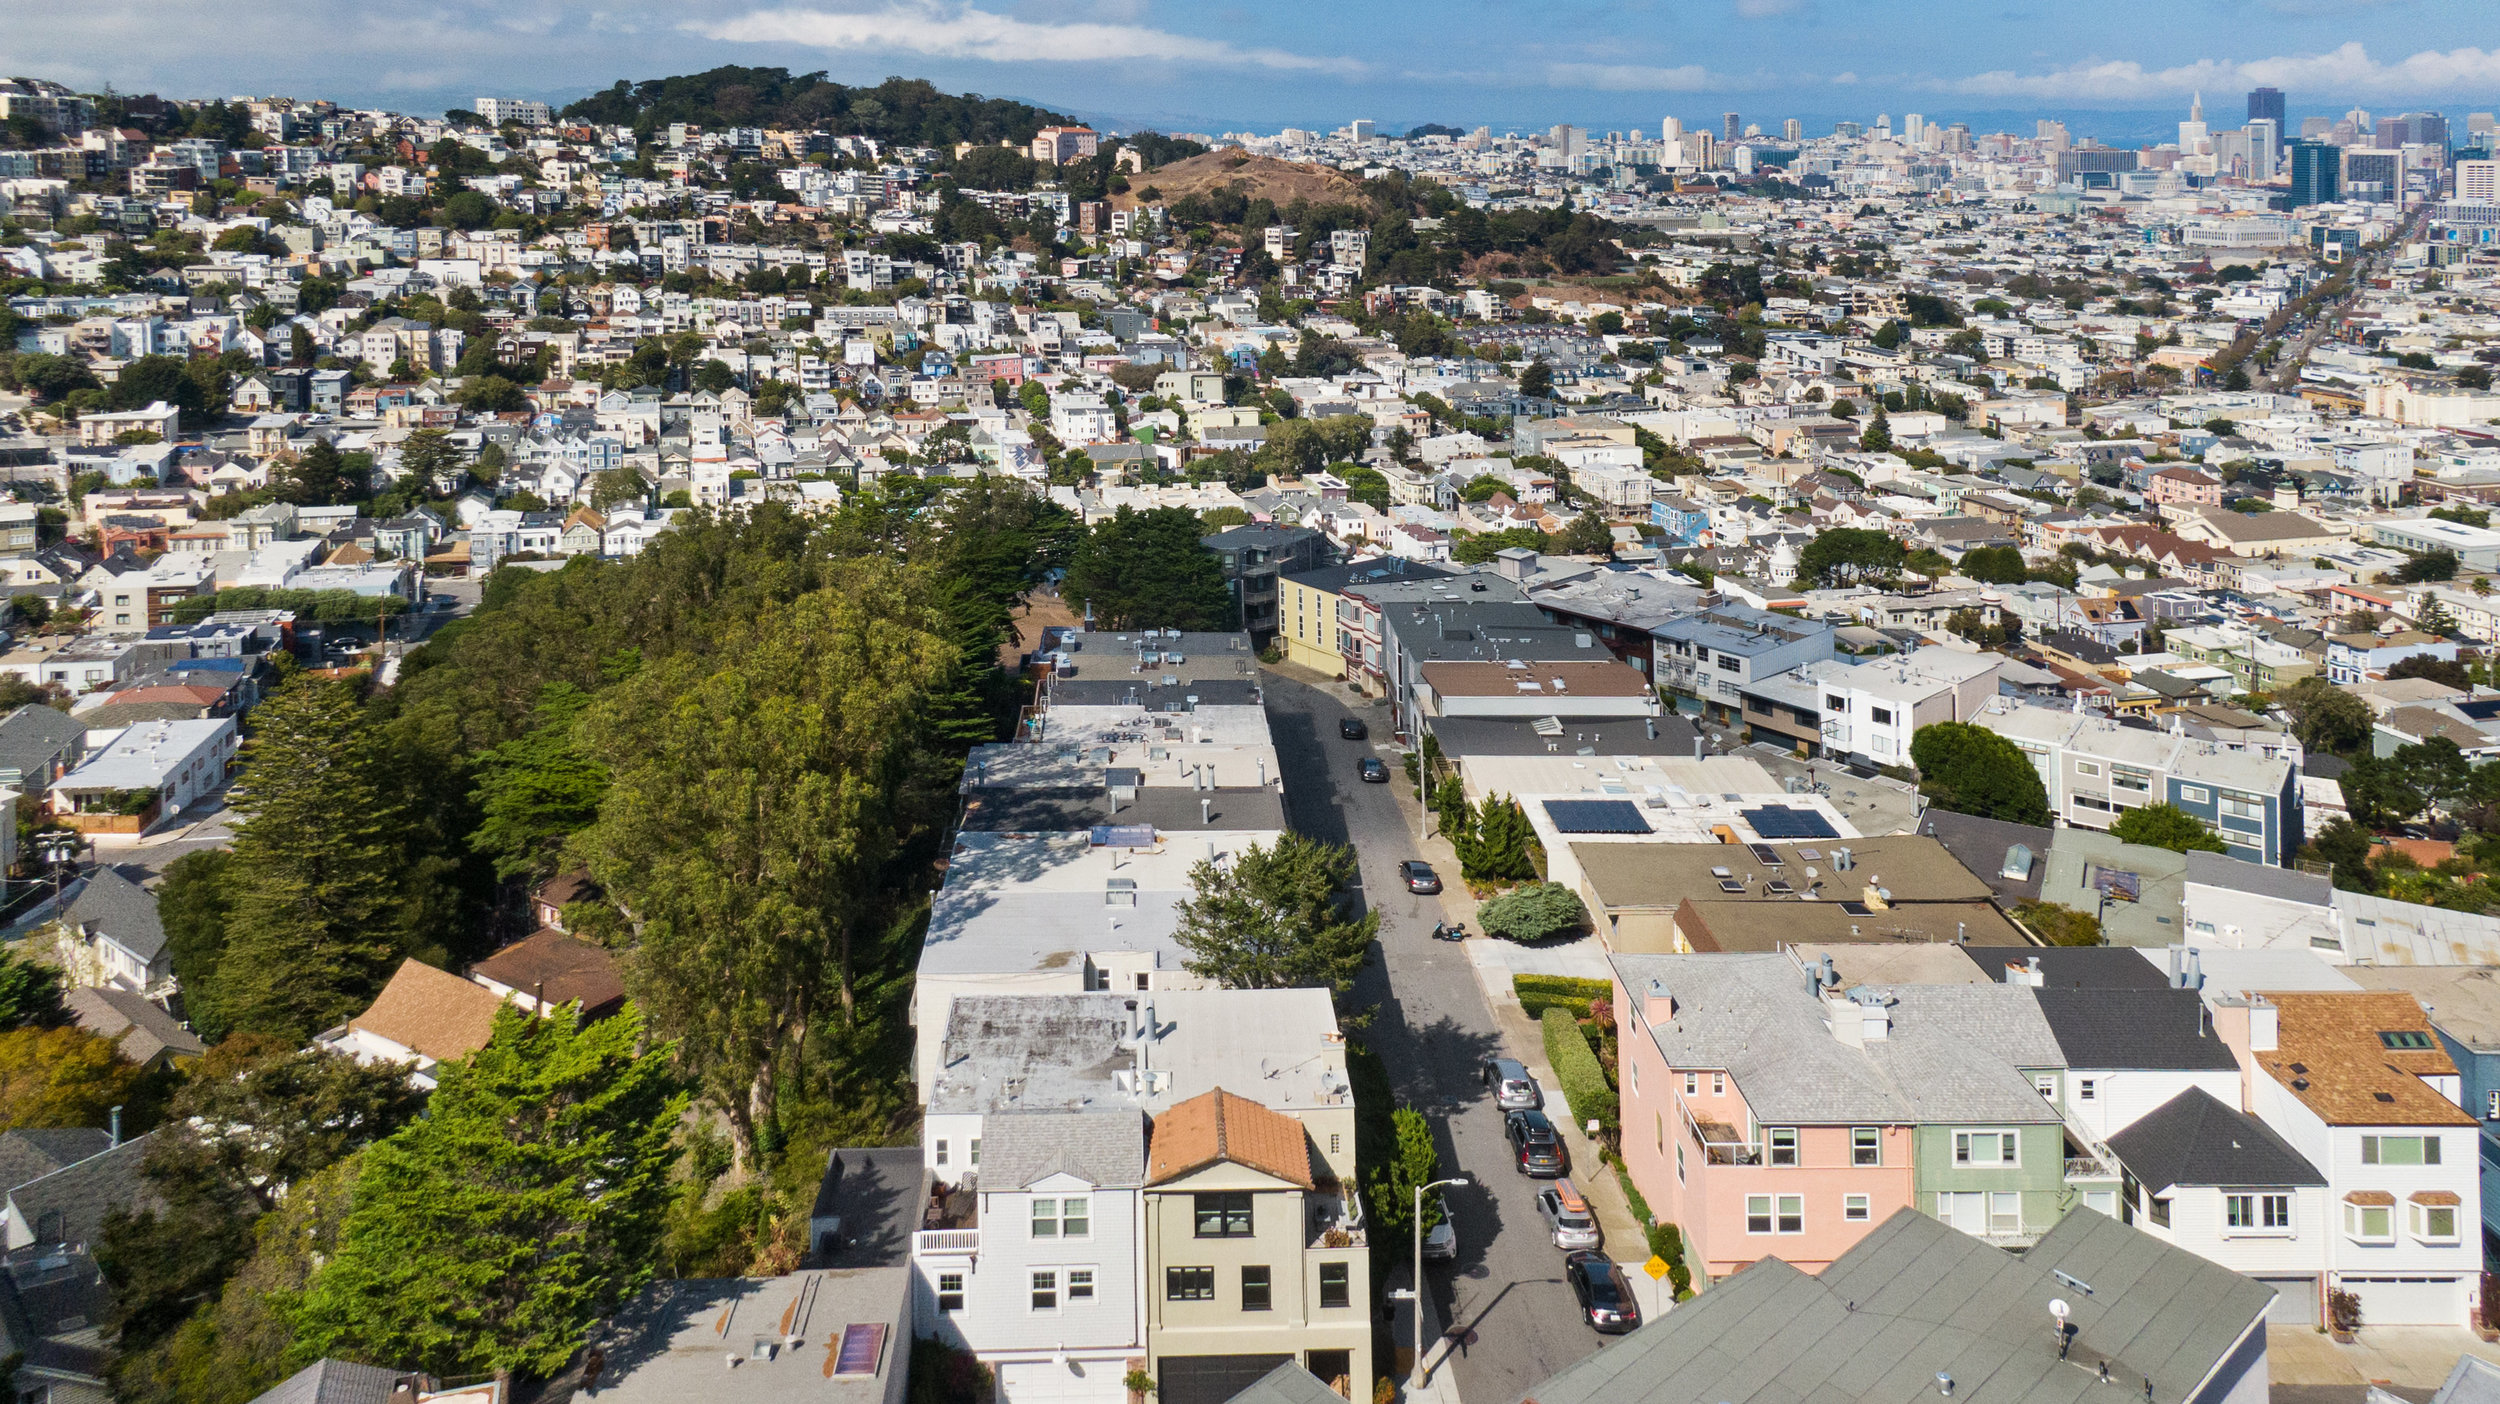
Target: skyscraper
{"x":1792,"y":130}
{"x":1729,"y":128}
{"x":2317,"y":174}
{"x":2266,"y":104}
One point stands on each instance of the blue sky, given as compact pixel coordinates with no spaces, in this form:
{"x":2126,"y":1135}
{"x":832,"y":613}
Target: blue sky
{"x":2116,"y":67}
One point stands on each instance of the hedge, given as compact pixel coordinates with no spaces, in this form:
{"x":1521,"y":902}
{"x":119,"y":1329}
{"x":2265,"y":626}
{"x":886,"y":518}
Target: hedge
{"x":1533,"y":912}
{"x":1583,"y":1081}
{"x":1538,"y":993}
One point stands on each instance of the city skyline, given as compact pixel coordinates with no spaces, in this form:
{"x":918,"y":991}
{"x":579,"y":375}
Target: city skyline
{"x":1614,"y":65}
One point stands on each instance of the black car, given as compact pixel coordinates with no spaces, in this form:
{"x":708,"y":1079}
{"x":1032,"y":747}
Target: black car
{"x":1419,"y":876}
{"x":1604,"y":1291}
{"x":1374,"y":771}
{"x":1353,"y":729}
{"x":1534,"y":1144}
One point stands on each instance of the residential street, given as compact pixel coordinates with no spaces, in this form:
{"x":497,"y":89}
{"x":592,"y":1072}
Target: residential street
{"x":1432,"y":1026}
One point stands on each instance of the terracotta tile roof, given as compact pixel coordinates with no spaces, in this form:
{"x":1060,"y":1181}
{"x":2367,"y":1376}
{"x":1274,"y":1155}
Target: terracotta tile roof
{"x":2330,"y":1056}
{"x":1219,"y":1126}
{"x":432,"y":1011}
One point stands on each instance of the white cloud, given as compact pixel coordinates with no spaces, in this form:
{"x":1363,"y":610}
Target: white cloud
{"x":946,"y":29}
{"x":2345,"y":70}
{"x":1634,"y":77}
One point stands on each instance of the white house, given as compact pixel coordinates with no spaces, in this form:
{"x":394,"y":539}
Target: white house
{"x":2204,"y":1176}
{"x":179,"y":761}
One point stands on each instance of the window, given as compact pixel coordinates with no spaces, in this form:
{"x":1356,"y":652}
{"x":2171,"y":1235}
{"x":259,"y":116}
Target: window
{"x":2433,"y":1223}
{"x":1336,"y":1142}
{"x":2046,"y":1083}
{"x":1633,"y":1070}
{"x":1223,"y":1215}
{"x":1189,"y":1284}
{"x":1792,"y":1215}
{"x":2491,"y":1108}
{"x":1784,"y":1146}
{"x":1866,"y":1146}
{"x":1757,"y":1213}
{"x":950,"y":1292}
{"x":1854,"y":1208}
{"x":1882,"y":715}
{"x":1835,"y":704}
{"x":1718,"y":1084}
{"x":1679,"y":1162}
{"x":1335,"y":1289}
{"x":941,"y":1153}
{"x":2400,"y":1150}
{"x":1080,"y":1284}
{"x":2087,"y":768}
{"x":2239,"y":1211}
{"x":1765,"y":1213}
{"x":1986,"y":1148}
{"x":2130,"y":777}
{"x":2086,"y":1089}
{"x":2370,"y":1223}
{"x":973,"y":1154}
{"x":2161,"y":1212}
{"x":2195,"y":794}
{"x":2242,"y":806}
{"x":2274,"y":1211}
{"x":1045,"y":1289}
{"x":1063,"y":1218}
{"x":2404,"y":1040}
{"x":1256,"y":1295}
{"x":2005,"y":1212}
{"x":1692,"y":1084}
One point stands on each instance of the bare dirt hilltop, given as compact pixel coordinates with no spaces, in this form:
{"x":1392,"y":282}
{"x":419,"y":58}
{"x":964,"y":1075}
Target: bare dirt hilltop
{"x":1281,"y":181}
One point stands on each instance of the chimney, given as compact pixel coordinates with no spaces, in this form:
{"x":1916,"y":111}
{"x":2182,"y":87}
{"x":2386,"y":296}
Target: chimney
{"x":2025,"y":972}
{"x":1657,"y":1004}
{"x":2265,"y":1025}
{"x":116,"y":1132}
{"x":1206,"y":812}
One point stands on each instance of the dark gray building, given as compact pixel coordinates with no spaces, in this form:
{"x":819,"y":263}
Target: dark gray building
{"x":1253,"y":557}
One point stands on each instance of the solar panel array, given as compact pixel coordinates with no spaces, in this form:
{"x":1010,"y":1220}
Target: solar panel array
{"x":1596,"y":816}
{"x":1778,"y":821}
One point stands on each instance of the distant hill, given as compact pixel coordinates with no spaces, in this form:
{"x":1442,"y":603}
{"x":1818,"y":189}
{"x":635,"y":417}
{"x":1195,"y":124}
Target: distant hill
{"x":1282,"y":182}
{"x":907,"y":111}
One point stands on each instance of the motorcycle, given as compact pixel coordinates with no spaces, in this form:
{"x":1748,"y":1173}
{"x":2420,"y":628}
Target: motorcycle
{"x":1449,"y":931}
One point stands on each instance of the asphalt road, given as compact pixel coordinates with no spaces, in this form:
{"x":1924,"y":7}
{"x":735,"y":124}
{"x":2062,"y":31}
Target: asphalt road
{"x":1431,"y":1027}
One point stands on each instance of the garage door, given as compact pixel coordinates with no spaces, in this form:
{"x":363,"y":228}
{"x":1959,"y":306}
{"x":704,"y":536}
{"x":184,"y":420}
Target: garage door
{"x":1046,"y":1382}
{"x":2295,"y":1301}
{"x":2409,"y":1301}
{"x":1211,"y":1379}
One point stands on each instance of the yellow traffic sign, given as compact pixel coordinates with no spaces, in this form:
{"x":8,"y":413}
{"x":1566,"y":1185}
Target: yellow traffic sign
{"x":1656,"y":1267}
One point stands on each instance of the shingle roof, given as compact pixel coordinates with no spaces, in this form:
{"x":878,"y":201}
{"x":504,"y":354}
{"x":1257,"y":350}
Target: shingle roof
{"x":1916,"y":1299}
{"x":1221,"y":1126}
{"x":1288,"y":1383}
{"x":1106,"y":1149}
{"x":2258,"y":879}
{"x":2328,"y":1054}
{"x":34,"y":734}
{"x":432,"y":1011}
{"x":328,"y":1381}
{"x":556,"y":968}
{"x":140,"y":1028}
{"x":84,"y":1191}
{"x":2193,"y":1139}
{"x":2162,"y":1029}
{"x":31,"y":1152}
{"x":117,"y":907}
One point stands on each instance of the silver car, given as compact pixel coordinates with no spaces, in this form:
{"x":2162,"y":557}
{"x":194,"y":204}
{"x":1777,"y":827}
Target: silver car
{"x":1567,"y":1216}
{"x":1514,"y":1087}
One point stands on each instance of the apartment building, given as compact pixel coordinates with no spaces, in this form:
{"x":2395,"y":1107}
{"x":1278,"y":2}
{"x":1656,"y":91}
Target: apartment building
{"x":1713,"y":655}
{"x":2096,"y":768}
{"x":1869,"y":711}
{"x":2358,"y":1083}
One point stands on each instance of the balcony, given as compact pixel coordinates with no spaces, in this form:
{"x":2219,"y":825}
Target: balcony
{"x":950,"y":1224}
{"x":1335,"y":1218}
{"x":946,"y":1243}
{"x":1722,"y":1144}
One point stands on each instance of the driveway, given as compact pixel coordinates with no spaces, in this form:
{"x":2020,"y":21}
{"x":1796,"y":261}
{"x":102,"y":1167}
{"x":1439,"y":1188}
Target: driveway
{"x":1518,"y":1322}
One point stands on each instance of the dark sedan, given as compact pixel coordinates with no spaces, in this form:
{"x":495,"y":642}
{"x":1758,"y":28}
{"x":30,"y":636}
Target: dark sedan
{"x":1535,"y":1145}
{"x":1419,"y":876}
{"x":1353,"y":729}
{"x":1374,"y":771}
{"x":1605,"y":1292}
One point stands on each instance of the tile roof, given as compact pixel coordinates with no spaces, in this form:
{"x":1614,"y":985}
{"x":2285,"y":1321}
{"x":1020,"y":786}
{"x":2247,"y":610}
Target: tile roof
{"x":1221,"y":1126}
{"x":432,"y":1011}
{"x":2328,"y":1053}
{"x":2193,"y":1139}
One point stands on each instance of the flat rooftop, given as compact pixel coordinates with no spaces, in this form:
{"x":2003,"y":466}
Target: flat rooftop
{"x":1913,"y":868}
{"x":1764,"y":926}
{"x":1280,"y":1048}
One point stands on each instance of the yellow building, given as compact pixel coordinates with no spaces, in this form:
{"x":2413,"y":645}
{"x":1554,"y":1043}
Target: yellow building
{"x":1308,"y":622}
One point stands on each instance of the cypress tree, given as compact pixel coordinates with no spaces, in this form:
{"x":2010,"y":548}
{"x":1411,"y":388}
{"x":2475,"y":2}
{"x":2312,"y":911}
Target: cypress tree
{"x":313,"y":932}
{"x":526,"y":1205}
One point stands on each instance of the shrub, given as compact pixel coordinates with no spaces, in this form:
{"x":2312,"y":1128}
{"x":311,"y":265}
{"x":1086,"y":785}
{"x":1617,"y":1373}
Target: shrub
{"x":1533,"y":912}
{"x":1583,"y":1082}
{"x":1538,"y":993}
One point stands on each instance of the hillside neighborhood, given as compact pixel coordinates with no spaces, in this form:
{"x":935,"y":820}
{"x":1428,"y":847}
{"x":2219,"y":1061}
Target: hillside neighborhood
{"x":752,"y":739}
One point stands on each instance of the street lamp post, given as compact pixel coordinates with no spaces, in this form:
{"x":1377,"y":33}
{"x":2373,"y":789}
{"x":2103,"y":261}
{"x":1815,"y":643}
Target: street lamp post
{"x":1416,"y":1381}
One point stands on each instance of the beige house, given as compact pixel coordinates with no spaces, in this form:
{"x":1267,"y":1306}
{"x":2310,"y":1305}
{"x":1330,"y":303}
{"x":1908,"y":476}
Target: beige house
{"x":1255,"y":1253}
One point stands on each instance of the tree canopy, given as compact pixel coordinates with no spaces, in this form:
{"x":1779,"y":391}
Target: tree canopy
{"x":1276,"y":917}
{"x":1149,"y":570}
{"x":1971,"y":770}
{"x":2166,"y":826}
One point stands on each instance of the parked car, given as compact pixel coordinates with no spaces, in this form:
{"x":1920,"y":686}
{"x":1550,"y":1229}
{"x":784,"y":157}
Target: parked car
{"x":1420,"y":878}
{"x":1441,"y":1240}
{"x":1567,"y":1216}
{"x":1514,"y":1087}
{"x":1352,"y":729}
{"x":1604,"y":1291}
{"x":1374,"y":771}
{"x":1538,"y":1149}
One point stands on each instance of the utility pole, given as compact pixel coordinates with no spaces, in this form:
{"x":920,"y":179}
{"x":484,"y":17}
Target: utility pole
{"x":1415,"y":1381}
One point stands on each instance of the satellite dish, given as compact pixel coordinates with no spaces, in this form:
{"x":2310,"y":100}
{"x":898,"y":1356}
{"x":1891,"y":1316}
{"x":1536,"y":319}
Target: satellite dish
{"x":2058,"y":1308}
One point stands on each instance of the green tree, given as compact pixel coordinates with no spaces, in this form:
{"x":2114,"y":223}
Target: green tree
{"x":1877,"y":436}
{"x":1995,"y":565}
{"x":429,"y":454}
{"x":2446,"y":671}
{"x":257,"y":1117}
{"x":64,"y":1077}
{"x":1537,"y":381}
{"x":2325,"y":717}
{"x":1149,"y":570}
{"x":1276,"y":917}
{"x":1495,"y":841}
{"x":2060,"y":925}
{"x":2345,"y":848}
{"x":312,"y":934}
{"x":1416,"y":1163}
{"x":2429,"y":566}
{"x":2166,"y":826}
{"x":1969,"y":769}
{"x":526,"y":1205}
{"x":1847,"y":555}
{"x":319,"y":477}
{"x":1533,"y":912}
{"x":621,"y":487}
{"x":30,"y":992}
{"x":193,"y":904}
{"x":758,"y":789}
{"x":1587,"y":535}
{"x":538,"y":788}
